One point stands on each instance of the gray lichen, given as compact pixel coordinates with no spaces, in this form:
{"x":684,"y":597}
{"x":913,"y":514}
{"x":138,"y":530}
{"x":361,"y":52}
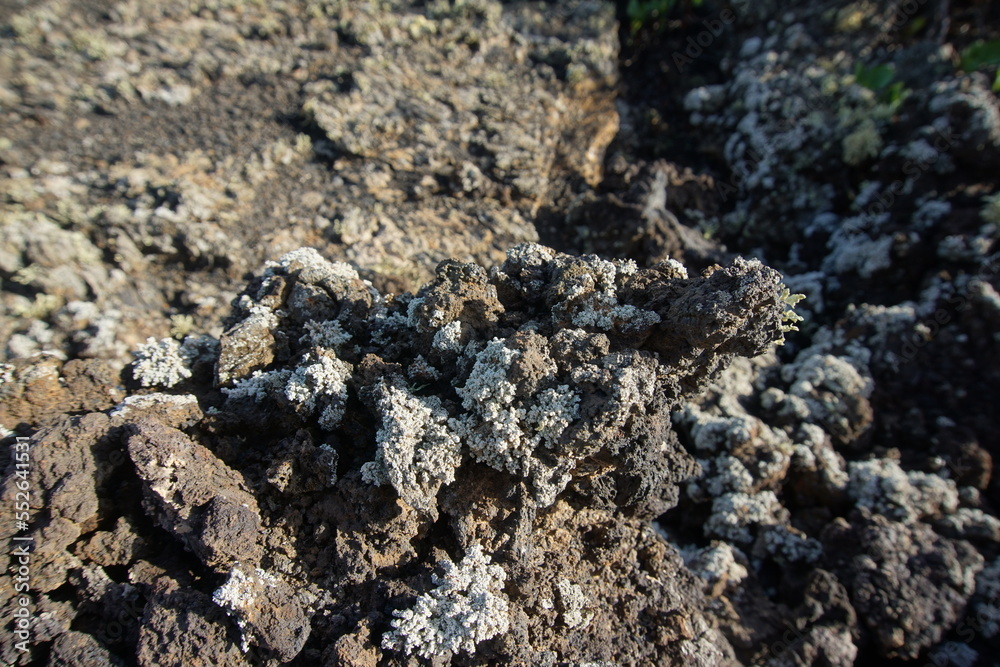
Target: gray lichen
{"x":467,"y":606}
{"x":533,"y":369}
{"x":416,"y":451}
{"x":161,"y":363}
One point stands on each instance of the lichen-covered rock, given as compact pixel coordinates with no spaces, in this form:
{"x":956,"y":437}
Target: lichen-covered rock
{"x":718,"y":565}
{"x":195,"y":496}
{"x":161,"y":363}
{"x":827,"y":391}
{"x":417,"y":453}
{"x":883,"y":487}
{"x":744,"y":462}
{"x":478,"y":404}
{"x":547,"y":362}
{"x":173,"y":410}
{"x":467,"y":606}
{"x":533,"y":415}
{"x":908,"y":584}
{"x":448,"y":127}
{"x":267,"y":609}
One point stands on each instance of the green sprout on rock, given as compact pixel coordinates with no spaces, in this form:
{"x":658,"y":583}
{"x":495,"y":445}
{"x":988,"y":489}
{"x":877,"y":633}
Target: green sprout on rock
{"x":789,"y":318}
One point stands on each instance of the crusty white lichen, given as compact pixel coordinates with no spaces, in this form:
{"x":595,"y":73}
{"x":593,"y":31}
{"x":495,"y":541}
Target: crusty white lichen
{"x":824,"y":389}
{"x":416,"y":450}
{"x":854,"y":250}
{"x":487,"y":389}
{"x":422,"y":369}
{"x":141,"y":404}
{"x":733,"y":514}
{"x":257,"y":386}
{"x":467,"y":606}
{"x":589,"y":299}
{"x":503,"y":431}
{"x":971,"y":523}
{"x":787,"y":544}
{"x":448,"y":337}
{"x":385,"y":325}
{"x":552,"y":413}
{"x":238,"y":591}
{"x":312,"y":267}
{"x":882,"y":486}
{"x":717,"y":563}
{"x":574,"y":603}
{"x":161,"y":363}
{"x":715,"y":437}
{"x":330,"y":335}
{"x":240,"y":594}
{"x":320,"y":383}
{"x":814,"y":452}
{"x":508,"y":394}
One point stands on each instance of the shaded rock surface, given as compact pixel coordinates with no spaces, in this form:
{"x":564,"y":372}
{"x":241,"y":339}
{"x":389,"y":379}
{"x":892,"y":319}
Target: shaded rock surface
{"x":195,"y":496}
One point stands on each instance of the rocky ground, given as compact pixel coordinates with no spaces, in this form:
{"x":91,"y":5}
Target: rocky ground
{"x":378,"y":333}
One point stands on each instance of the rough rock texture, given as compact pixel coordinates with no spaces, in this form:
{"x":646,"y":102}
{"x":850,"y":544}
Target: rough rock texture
{"x":37,"y":390}
{"x":196,"y":496}
{"x":184,"y":627}
{"x":78,"y":648}
{"x":909,"y":584}
{"x":835,"y":501}
{"x":266,"y":609}
{"x":545,"y":364}
{"x":644,"y":201}
{"x":824,"y":629}
{"x":519,"y":416}
{"x":156,"y":152}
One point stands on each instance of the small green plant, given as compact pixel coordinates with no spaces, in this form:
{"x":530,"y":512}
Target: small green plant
{"x":879,"y":80}
{"x":181,"y":325}
{"x":982,"y":55}
{"x":643,"y":13}
{"x":914,"y":27}
{"x":789,"y":318}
